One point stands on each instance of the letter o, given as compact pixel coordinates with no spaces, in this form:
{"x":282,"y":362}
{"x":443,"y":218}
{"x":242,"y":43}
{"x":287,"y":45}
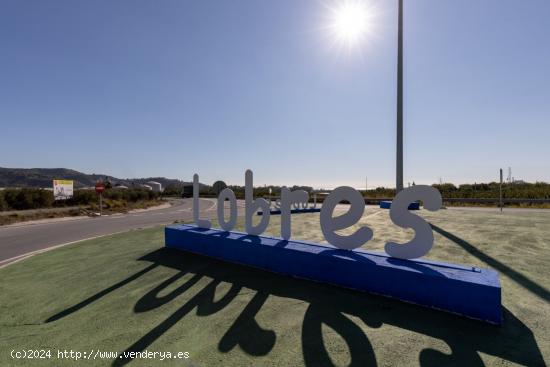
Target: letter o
{"x":227,"y":194}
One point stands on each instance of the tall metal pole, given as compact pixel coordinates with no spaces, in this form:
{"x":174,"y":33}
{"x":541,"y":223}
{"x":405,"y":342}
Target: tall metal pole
{"x":500,"y":194}
{"x":399,"y":158}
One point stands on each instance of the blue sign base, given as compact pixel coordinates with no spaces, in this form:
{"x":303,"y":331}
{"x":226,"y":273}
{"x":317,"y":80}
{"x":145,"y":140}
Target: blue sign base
{"x":387,"y":205}
{"x":293,"y":211}
{"x":464,"y":290}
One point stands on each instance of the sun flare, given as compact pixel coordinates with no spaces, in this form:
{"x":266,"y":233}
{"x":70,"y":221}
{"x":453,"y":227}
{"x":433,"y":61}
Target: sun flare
{"x":350,"y":22}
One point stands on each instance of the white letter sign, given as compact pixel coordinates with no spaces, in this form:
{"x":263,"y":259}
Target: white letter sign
{"x":201,"y":223}
{"x":289,"y":198}
{"x":400,"y":215}
{"x":423,"y":240}
{"x":228,"y":194}
{"x":251,"y":206}
{"x":329,"y":224}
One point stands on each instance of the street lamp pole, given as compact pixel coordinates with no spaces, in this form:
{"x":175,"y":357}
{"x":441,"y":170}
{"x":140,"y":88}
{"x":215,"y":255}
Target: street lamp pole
{"x":399,"y":158}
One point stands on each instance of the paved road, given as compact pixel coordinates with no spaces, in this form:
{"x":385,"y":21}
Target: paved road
{"x":18,"y":241}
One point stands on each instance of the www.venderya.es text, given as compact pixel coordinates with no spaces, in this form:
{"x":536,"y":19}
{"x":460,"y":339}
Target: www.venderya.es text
{"x":93,"y":354}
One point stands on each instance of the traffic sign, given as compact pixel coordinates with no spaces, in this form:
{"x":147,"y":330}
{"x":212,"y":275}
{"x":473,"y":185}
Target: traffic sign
{"x":99,"y":187}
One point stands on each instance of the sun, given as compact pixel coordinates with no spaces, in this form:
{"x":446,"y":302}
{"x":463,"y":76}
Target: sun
{"x":350,"y":22}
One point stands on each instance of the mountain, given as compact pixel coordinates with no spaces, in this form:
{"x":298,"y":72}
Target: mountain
{"x":42,"y":177}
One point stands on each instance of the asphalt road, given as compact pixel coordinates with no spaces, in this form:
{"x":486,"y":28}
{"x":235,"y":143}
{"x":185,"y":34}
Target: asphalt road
{"x":21,"y":240}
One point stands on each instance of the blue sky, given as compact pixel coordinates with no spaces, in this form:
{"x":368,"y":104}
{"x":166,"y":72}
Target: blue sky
{"x":169,"y":88}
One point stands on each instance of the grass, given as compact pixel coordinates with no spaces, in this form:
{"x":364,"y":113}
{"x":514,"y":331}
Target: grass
{"x":127,"y":293}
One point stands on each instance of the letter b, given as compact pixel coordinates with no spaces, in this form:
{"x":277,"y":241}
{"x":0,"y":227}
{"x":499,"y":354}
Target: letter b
{"x":251,"y":206}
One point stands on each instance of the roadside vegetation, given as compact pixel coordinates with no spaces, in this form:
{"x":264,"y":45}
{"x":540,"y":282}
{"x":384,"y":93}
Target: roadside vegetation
{"x":523,"y":190}
{"x":34,"y":198}
{"x":25,"y":204}
{"x":481,"y":194}
{"x":538,"y":190}
{"x":85,"y":201}
{"x":487,"y":193}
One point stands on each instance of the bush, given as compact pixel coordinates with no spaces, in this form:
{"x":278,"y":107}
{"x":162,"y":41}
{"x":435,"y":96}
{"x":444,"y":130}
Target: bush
{"x":3,"y":204}
{"x":131,"y":195}
{"x":173,"y":190}
{"x":29,"y":198}
{"x":22,"y":199}
{"x":83,"y":197}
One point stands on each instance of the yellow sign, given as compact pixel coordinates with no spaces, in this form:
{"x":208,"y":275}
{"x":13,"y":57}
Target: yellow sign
{"x":62,"y":189}
{"x":62,"y":182}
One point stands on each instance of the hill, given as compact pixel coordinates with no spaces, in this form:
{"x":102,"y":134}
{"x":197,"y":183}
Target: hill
{"x":42,"y":177}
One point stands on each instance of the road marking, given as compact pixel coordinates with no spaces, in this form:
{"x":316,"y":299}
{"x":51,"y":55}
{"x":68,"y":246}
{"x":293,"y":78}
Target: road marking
{"x":18,"y":258}
{"x":15,"y":259}
{"x":214,"y":204}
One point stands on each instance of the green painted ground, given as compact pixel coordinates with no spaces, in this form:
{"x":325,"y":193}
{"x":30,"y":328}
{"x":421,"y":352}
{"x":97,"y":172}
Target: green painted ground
{"x":126,"y":293}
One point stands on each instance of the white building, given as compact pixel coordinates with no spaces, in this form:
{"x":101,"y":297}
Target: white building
{"x":155,"y":186}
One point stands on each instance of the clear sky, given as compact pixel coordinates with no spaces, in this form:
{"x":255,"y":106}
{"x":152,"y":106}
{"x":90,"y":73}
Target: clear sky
{"x":168,"y":88}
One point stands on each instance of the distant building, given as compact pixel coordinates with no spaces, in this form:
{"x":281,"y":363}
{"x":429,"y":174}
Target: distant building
{"x":155,"y":186}
{"x":120,"y":187}
{"x":146,"y":187}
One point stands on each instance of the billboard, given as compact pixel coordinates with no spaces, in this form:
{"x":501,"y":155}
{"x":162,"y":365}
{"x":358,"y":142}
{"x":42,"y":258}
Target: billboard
{"x":62,"y":189}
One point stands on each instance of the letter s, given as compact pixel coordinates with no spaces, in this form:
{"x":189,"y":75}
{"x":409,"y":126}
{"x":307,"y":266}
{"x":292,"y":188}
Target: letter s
{"x":423,"y":239}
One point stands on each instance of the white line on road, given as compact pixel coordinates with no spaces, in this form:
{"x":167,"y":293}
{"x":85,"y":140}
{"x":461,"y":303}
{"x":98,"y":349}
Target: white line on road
{"x":214,"y":204}
{"x":13,"y":260}
{"x":18,"y":258}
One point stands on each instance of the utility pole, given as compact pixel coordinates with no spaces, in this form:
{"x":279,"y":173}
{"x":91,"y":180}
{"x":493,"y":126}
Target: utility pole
{"x":399,"y":150}
{"x":500,"y":190}
{"x":99,"y":188}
